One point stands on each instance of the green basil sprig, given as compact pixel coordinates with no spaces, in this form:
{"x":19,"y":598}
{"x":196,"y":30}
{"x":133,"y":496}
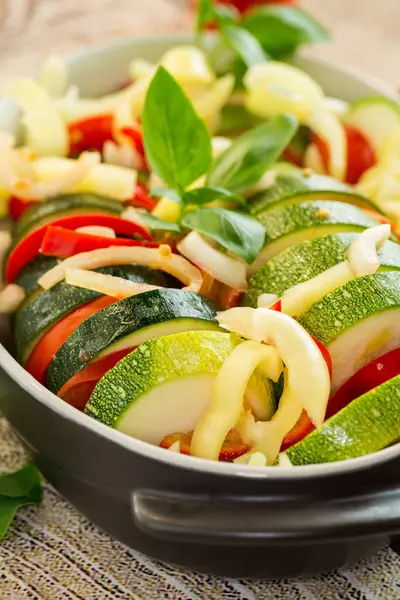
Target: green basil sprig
{"x":244,"y":163}
{"x":18,"y":489}
{"x":207,"y":195}
{"x":177,"y":143}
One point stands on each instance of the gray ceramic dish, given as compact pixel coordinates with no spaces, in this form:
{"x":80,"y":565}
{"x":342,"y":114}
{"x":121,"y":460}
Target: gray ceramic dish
{"x":212,"y":517}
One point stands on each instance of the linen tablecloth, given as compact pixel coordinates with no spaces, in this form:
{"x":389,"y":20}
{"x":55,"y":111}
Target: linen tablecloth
{"x":52,"y":552}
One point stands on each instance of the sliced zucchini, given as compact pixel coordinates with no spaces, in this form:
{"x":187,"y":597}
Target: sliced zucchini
{"x":66,"y":205}
{"x":357,"y":323}
{"x":307,"y":260}
{"x":29,"y":275}
{"x":297,"y":185}
{"x":127,"y":324}
{"x":44,"y":310}
{"x":375,"y":117}
{"x":294,"y":223}
{"x":164,"y":386}
{"x":366,"y":425}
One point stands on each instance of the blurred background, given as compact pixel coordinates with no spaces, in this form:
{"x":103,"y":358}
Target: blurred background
{"x":366,"y":32}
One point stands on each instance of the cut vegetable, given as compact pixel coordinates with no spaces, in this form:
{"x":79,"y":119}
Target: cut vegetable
{"x":357,"y":322}
{"x":29,"y":275}
{"x":295,"y":223}
{"x":109,"y":285}
{"x":11,"y":298}
{"x":298,"y":185}
{"x":306,"y":260}
{"x":366,"y":425}
{"x":362,"y":254}
{"x":376,"y":118}
{"x":161,"y":258}
{"x":220,"y":266}
{"x":44,"y":310}
{"x":127,"y":324}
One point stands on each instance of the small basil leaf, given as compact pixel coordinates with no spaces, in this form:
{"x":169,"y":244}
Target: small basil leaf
{"x":241,"y":234}
{"x":244,"y":163}
{"x":166,"y":193}
{"x":206,"y":195}
{"x":20,"y":482}
{"x":236,"y":119}
{"x":281,"y":29}
{"x":9,"y":506}
{"x":226,"y":14}
{"x":157,"y":224}
{"x":177,"y":143}
{"x":245,"y":45}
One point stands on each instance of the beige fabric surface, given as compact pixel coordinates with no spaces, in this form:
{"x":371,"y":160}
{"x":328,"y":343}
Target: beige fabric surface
{"x":52,"y":552}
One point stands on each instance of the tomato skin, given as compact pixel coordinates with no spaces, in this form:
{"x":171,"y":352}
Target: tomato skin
{"x":135,"y":134}
{"x":17,"y":207}
{"x":370,"y":376}
{"x":63,"y":243}
{"x":79,"y":388}
{"x":90,"y":133}
{"x":360,"y":155}
{"x":29,"y":246}
{"x":43,"y":353}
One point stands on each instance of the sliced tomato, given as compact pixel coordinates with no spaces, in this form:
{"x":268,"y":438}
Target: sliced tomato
{"x":51,"y":342}
{"x":141,"y":199}
{"x":360,"y":155}
{"x":29,"y":246}
{"x":375,"y":373}
{"x":63,"y":243}
{"x":233,"y":445}
{"x":17,"y":207}
{"x":228,"y":297}
{"x":79,"y":388}
{"x":90,"y":133}
{"x":135,"y":134}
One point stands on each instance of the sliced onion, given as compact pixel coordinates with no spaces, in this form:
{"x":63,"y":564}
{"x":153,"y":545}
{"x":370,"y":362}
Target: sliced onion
{"x":284,"y":460}
{"x":188,"y":64}
{"x":210,"y":104}
{"x":131,"y":214}
{"x":45,"y":189}
{"x":155,"y":258}
{"x":329,"y":128}
{"x":266,"y":300}
{"x":175,"y":447}
{"x":11,"y":297}
{"x":123,"y":154}
{"x":219,"y":145}
{"x":117,"y":287}
{"x":97,"y":230}
{"x":53,"y":76}
{"x":362,"y":253}
{"x":221,"y":267}
{"x":313,"y":160}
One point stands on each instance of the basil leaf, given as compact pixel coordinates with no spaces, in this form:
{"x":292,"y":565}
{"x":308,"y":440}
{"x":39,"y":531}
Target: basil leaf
{"x":244,"y":163}
{"x":205,"y":14}
{"x":206,"y":195}
{"x":20,"y":482}
{"x":177,"y":143}
{"x":10,"y":505}
{"x":157,"y":224}
{"x":245,"y":45}
{"x":241,"y":234}
{"x":166,"y":193}
{"x":235,"y":119}
{"x":226,"y":14}
{"x":281,"y":29}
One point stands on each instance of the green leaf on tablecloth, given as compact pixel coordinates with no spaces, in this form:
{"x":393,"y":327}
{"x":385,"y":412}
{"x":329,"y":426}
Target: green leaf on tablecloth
{"x":16,"y":490}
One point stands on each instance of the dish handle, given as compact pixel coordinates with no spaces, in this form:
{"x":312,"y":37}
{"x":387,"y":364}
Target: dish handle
{"x":249,"y":520}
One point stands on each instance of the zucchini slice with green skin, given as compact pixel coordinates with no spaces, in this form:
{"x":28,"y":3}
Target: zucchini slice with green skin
{"x":127,"y":324}
{"x":29,"y":275}
{"x":375,"y":117}
{"x":164,"y":386}
{"x":307,"y":260}
{"x":357,"y":322}
{"x":368,"y":424}
{"x":289,"y":225}
{"x":294,"y":185}
{"x":62,"y":206}
{"x":45,"y":309}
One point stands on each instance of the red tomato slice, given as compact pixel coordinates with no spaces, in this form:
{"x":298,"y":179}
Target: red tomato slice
{"x":360,"y":155}
{"x":63,"y":243}
{"x":17,"y":207}
{"x":90,"y":133}
{"x":51,"y":342}
{"x":29,"y":246}
{"x":375,"y":373}
{"x":135,"y":134}
{"x":233,"y":446}
{"x":79,"y":388}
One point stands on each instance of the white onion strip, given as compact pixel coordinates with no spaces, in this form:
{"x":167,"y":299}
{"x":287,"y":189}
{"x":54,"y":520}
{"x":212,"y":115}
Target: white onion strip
{"x":221,"y":267}
{"x":155,"y":258}
{"x":97,"y":230}
{"x":362,"y":253}
{"x":109,"y":285}
{"x":11,"y":297}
